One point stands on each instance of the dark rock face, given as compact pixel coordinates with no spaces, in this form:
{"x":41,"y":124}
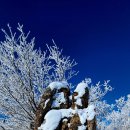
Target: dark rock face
{"x":49,"y":101}
{"x":43,"y":107}
{"x":92,"y":124}
{"x":85,"y":98}
{"x":74,"y":122}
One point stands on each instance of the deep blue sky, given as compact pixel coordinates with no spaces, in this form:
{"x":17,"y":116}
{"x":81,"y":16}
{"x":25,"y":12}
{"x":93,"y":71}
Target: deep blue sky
{"x":95,"y":33}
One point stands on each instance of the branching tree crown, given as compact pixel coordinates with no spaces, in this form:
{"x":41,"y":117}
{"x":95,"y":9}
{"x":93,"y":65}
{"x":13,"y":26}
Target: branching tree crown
{"x":24,"y":73}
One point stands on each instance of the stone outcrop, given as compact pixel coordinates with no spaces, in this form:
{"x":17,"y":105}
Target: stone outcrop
{"x":43,"y":107}
{"x":58,"y":99}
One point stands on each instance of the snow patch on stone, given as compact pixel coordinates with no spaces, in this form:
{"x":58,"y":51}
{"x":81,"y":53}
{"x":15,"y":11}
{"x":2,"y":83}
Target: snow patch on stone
{"x":46,"y":103}
{"x":58,"y":85}
{"x":79,"y":102}
{"x":80,"y":89}
{"x":52,"y":119}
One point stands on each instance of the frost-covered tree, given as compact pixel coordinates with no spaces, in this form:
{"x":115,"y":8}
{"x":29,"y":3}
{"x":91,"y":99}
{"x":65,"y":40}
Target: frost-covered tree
{"x":96,"y":97}
{"x":117,"y":115}
{"x":119,"y":118}
{"x":24,"y":73}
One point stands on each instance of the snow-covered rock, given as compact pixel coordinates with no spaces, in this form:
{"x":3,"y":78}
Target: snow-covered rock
{"x":53,"y":117}
{"x":64,"y":112}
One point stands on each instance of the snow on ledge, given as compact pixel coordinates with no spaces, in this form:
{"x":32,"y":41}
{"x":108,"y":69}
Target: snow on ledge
{"x":58,"y":85}
{"x":80,"y":89}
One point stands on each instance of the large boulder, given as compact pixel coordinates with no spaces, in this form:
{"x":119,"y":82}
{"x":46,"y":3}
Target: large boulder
{"x":60,"y":111}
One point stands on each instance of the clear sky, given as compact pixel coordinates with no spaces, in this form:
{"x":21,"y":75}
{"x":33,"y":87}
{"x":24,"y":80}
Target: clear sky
{"x":95,"y":33}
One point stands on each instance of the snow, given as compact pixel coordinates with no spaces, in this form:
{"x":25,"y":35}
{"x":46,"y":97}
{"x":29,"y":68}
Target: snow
{"x":82,"y":127}
{"x":79,"y":102}
{"x":66,"y":112}
{"x":59,"y":99}
{"x":80,"y":89}
{"x":53,"y":117}
{"x":65,"y":120}
{"x":128,"y":95}
{"x":46,"y":103}
{"x":70,"y":97}
{"x":90,"y":110}
{"x":87,"y":113}
{"x":58,"y":85}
